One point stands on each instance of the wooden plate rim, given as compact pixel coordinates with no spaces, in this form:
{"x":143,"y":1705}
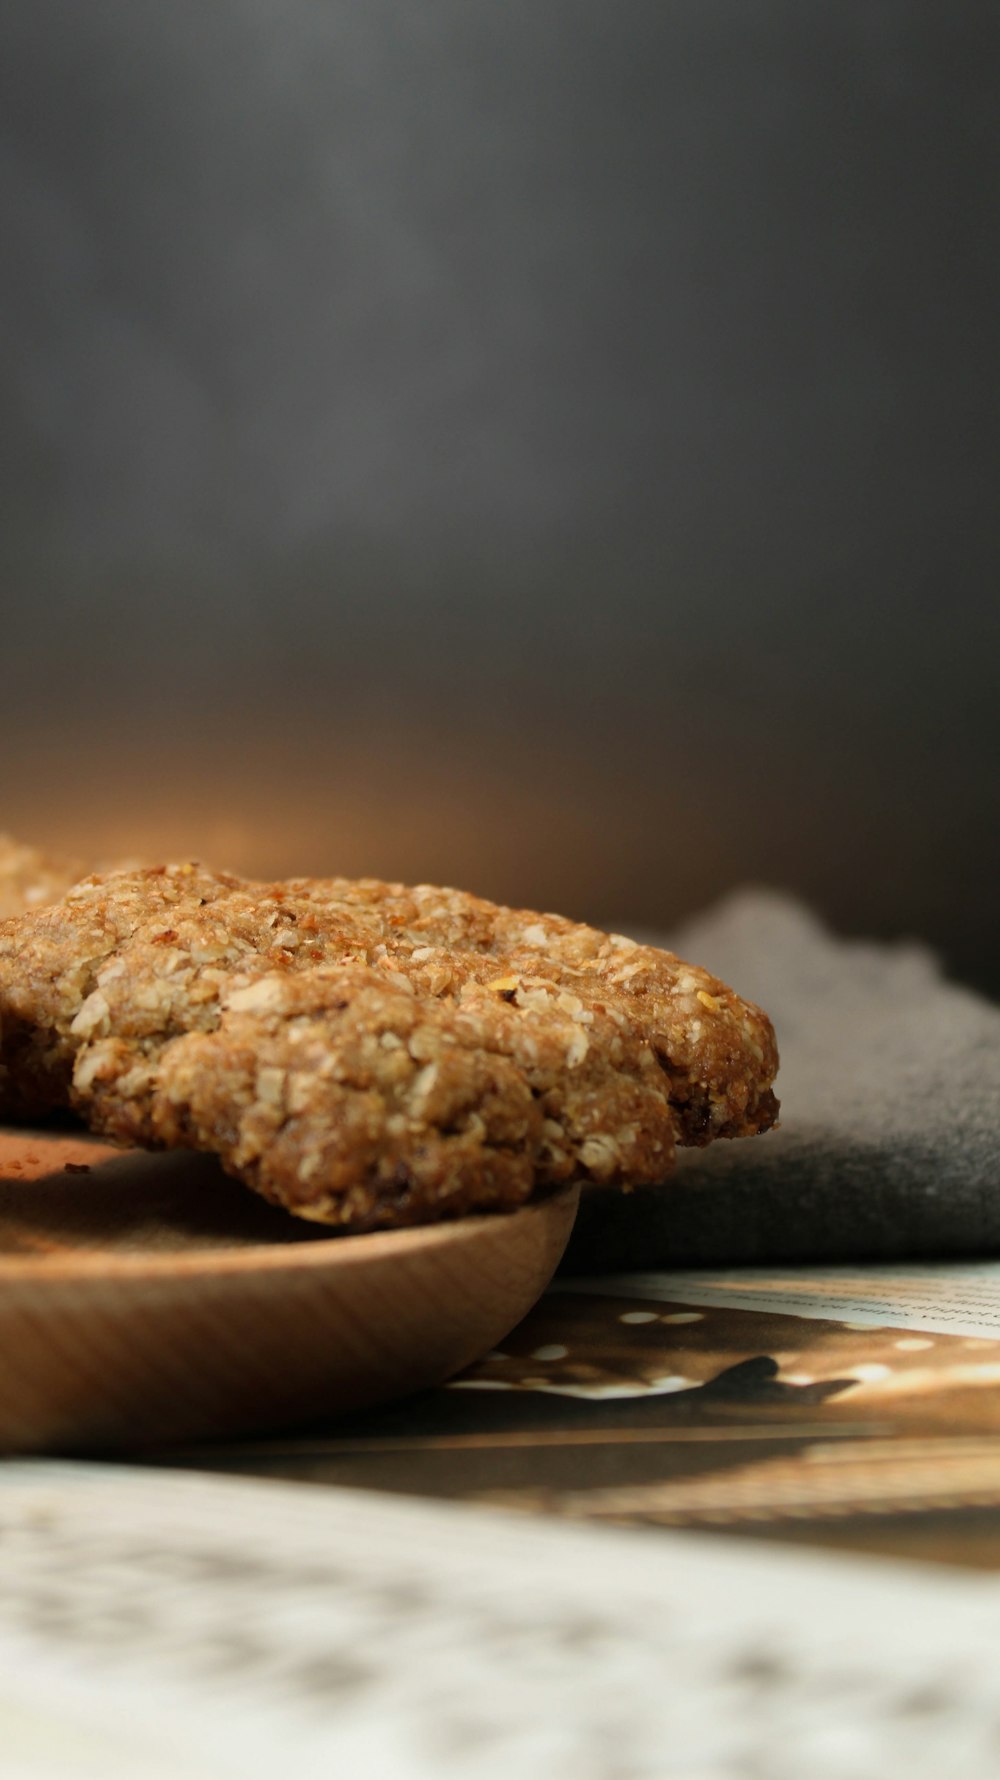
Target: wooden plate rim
{"x":342,"y":1250}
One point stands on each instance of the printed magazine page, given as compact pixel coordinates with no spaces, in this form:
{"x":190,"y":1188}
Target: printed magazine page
{"x":837,"y":1407}
{"x":158,"y":1624}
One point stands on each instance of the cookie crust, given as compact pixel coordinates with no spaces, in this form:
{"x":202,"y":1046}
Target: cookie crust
{"x":368,"y":1054}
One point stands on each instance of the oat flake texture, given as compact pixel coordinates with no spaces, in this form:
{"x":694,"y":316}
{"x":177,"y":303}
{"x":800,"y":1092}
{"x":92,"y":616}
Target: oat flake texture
{"x":366,"y":1054}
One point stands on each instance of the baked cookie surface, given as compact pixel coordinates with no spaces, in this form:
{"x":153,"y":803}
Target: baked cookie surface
{"x":368,"y":1054}
{"x":29,"y":878}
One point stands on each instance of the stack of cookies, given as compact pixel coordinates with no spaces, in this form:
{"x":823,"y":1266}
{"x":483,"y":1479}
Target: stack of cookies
{"x":365,"y":1054}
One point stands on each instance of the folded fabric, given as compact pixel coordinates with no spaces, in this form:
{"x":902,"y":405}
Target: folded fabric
{"x":889,"y":1140}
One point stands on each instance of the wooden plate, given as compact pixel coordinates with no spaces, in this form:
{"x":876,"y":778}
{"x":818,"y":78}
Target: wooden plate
{"x":147,"y":1298}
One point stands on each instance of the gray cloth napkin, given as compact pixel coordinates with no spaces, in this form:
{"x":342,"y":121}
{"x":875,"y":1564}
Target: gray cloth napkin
{"x":889,"y":1142}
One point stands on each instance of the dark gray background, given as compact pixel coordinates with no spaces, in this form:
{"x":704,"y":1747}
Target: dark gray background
{"x":547,"y":445}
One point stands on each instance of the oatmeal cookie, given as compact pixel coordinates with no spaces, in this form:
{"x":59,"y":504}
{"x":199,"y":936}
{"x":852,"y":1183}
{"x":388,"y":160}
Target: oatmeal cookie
{"x":367,"y":1054}
{"x":29,"y":879}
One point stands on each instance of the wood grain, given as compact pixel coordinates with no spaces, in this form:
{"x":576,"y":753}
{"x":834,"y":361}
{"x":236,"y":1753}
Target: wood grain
{"x":147,"y":1298}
